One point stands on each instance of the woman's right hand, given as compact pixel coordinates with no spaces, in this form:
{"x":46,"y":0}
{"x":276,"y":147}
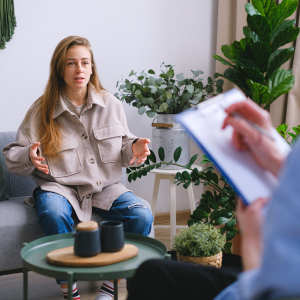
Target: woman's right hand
{"x":36,"y":159}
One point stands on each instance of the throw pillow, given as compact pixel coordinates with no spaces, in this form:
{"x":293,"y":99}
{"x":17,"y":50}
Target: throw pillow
{"x":3,"y":194}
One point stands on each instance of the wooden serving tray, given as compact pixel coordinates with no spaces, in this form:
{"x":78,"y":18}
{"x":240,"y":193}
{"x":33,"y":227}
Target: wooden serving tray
{"x":67,"y":258}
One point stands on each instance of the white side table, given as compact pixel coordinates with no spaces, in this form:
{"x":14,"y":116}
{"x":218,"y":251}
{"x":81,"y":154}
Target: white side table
{"x":169,"y":174}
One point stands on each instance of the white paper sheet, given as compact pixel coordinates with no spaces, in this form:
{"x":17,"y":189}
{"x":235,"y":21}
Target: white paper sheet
{"x":204,"y":124}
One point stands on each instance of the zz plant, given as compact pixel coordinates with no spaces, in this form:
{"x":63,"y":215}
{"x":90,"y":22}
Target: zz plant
{"x":167,"y":93}
{"x":254,"y":61}
{"x":214,"y":208}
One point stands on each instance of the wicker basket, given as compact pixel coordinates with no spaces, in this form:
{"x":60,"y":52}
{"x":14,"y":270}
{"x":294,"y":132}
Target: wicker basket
{"x":212,"y":261}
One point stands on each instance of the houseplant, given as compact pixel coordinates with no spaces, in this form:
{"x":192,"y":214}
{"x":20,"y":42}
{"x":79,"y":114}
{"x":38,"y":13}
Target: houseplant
{"x":200,"y":244}
{"x":164,"y":96}
{"x":167,"y":93}
{"x":254,"y":61}
{"x":214,"y":208}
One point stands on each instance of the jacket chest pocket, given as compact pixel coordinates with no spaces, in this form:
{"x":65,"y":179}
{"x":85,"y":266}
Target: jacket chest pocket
{"x":67,"y":162}
{"x":109,"y":140}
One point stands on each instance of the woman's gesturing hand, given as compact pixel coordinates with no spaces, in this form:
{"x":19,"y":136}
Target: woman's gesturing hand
{"x":36,"y":159}
{"x":140,"y":150}
{"x":245,"y":137}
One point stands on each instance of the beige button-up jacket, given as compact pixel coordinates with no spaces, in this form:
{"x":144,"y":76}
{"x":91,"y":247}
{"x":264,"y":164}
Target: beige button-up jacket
{"x":94,"y":149}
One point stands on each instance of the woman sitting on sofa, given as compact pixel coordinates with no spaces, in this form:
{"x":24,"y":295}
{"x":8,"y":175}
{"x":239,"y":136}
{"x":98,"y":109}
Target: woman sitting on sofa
{"x":74,"y":141}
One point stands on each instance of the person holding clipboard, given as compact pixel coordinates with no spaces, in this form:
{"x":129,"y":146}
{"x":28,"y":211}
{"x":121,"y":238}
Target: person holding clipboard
{"x":270,"y":230}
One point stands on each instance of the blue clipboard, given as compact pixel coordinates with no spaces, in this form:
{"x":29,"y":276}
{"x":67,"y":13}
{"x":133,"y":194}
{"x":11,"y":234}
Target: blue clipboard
{"x":204,"y":125}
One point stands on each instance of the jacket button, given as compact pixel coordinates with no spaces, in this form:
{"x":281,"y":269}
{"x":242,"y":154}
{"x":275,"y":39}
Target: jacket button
{"x":98,"y":183}
{"x":88,"y":196}
{"x":84,"y":136}
{"x":92,"y":161}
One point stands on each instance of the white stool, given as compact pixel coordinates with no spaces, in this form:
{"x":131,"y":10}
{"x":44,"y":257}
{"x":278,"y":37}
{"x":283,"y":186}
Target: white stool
{"x":169,"y":174}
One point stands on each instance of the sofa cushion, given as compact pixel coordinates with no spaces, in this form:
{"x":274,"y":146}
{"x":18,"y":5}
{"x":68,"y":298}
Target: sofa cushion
{"x":3,"y":194}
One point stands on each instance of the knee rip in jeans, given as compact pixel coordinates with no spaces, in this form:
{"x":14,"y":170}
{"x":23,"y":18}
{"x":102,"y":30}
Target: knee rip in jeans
{"x":137,"y":205}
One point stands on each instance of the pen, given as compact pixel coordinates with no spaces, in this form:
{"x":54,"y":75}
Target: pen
{"x":253,"y":125}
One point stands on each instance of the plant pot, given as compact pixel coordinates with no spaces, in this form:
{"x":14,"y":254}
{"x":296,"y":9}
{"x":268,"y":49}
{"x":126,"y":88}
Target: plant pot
{"x":214,"y":261}
{"x":170,"y":138}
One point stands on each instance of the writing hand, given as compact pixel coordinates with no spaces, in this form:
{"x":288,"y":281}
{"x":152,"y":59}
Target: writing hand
{"x":140,"y":150}
{"x":245,"y":137}
{"x":36,"y":159}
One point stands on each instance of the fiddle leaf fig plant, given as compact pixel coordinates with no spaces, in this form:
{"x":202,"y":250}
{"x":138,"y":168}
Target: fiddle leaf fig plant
{"x":167,"y":93}
{"x":217,"y":208}
{"x":254,"y":61}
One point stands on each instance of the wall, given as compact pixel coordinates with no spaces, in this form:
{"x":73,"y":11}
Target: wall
{"x":125,"y":35}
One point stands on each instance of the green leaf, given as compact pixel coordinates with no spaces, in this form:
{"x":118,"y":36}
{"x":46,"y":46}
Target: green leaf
{"x":233,"y":76}
{"x":223,"y":200}
{"x":130,"y":177}
{"x":152,"y":156}
{"x":177,"y":153}
{"x":191,"y":222}
{"x":153,"y":89}
{"x":216,"y":214}
{"x":200,"y":214}
{"x":210,"y":80}
{"x":215,"y":178}
{"x":251,"y":10}
{"x":180,"y":76}
{"x":163,"y":107}
{"x":204,"y":207}
{"x":186,"y":175}
{"x":280,"y":82}
{"x":134,"y":176}
{"x":150,"y":113}
{"x":250,"y":34}
{"x":231,"y":234}
{"x":141,"y":110}
{"x":163,"y":86}
{"x":222,"y":60}
{"x":197,"y":73}
{"x":168,"y":95}
{"x":161,"y":153}
{"x":284,"y":37}
{"x":151,"y":71}
{"x":221,"y":220}
{"x":190,"y":88}
{"x":264,"y":7}
{"x":282,"y":11}
{"x":281,"y":27}
{"x":260,"y":26}
{"x":170,"y":73}
{"x":259,"y":53}
{"x":212,"y":203}
{"x":193,"y":158}
{"x":131,"y":73}
{"x":278,"y":58}
{"x":260,"y":93}
{"x":252,"y":73}
{"x":222,"y":230}
{"x":230,"y":224}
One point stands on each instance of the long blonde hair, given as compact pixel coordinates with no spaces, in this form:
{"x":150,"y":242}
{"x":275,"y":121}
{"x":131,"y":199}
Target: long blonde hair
{"x":49,"y":129}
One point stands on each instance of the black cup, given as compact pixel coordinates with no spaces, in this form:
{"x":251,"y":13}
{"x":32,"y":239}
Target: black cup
{"x":87,"y":243}
{"x":112,"y":236}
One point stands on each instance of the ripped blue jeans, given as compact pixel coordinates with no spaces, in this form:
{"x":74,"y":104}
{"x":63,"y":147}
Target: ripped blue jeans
{"x":55,"y":213}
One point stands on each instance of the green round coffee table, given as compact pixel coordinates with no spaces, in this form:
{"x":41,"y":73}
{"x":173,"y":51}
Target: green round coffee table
{"x":34,"y":256}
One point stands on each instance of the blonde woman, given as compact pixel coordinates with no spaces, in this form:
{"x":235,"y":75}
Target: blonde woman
{"x":74,"y":141}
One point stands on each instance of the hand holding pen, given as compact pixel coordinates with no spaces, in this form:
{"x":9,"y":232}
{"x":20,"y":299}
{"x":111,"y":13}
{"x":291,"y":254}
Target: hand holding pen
{"x":252,"y":131}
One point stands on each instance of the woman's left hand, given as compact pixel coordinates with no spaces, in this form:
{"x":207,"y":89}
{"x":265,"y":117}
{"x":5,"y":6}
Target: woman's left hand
{"x":140,"y":150}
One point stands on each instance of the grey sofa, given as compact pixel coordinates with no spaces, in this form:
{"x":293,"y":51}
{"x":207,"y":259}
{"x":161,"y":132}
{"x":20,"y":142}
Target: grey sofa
{"x":18,"y":221}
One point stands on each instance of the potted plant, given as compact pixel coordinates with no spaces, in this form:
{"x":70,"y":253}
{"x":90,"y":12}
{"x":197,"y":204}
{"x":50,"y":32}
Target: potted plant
{"x":214,"y":208}
{"x":163,"y":97}
{"x":254,"y":61}
{"x":200,"y":244}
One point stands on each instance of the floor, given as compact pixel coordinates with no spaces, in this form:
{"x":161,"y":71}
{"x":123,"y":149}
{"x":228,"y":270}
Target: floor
{"x":45,"y":288}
